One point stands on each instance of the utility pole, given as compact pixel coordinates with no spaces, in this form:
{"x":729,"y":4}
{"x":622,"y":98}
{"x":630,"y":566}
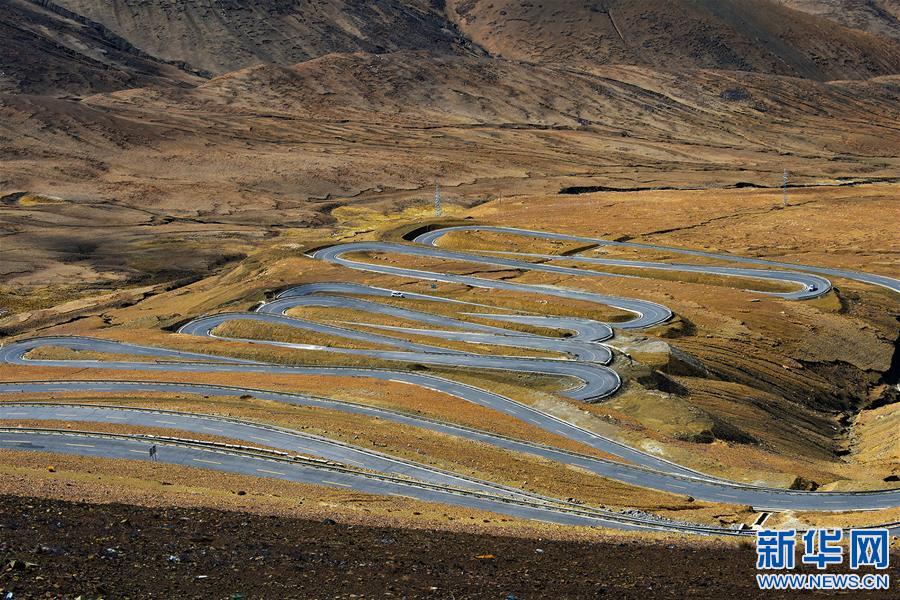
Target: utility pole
{"x":784,"y":198}
{"x":438,"y":209}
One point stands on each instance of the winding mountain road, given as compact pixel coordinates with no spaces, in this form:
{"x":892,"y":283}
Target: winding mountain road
{"x":583,"y":361}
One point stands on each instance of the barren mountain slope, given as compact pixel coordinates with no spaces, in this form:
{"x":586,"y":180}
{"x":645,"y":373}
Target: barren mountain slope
{"x":266,"y":148}
{"x":747,"y":35}
{"x":224,"y":35}
{"x":725,"y":110}
{"x":345,"y":125}
{"x":754,"y":35}
{"x":48,"y":52}
{"x":875,"y":16}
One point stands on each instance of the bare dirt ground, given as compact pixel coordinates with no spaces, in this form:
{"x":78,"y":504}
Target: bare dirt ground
{"x":54,"y":548}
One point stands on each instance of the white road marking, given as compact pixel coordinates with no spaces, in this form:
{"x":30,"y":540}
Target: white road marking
{"x":211,"y":462}
{"x":81,"y":445}
{"x":325,"y":481}
{"x":271,"y":472}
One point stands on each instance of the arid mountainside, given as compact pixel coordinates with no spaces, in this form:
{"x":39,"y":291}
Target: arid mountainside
{"x":224,"y":35}
{"x":167,"y":116}
{"x":417,"y":87}
{"x":746,"y":35}
{"x":216,"y":37}
{"x":268,"y":147}
{"x":44,"y":51}
{"x":875,"y":16}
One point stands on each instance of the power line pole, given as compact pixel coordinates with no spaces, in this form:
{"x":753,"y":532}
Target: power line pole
{"x":438,"y":209}
{"x":784,"y":197}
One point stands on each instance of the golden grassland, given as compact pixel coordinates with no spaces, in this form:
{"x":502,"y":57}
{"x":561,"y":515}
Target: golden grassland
{"x":843,"y":227}
{"x":737,"y":461}
{"x":53,"y":353}
{"x":513,"y":385}
{"x":473,"y":241}
{"x":364,"y":321}
{"x":464,"y":346}
{"x":258,"y":330}
{"x":843,"y":329}
{"x":744,"y":283}
{"x":500,"y":242}
{"x":345,"y":316}
{"x":289,"y":357}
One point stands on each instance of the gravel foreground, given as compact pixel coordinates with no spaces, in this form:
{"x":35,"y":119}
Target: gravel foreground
{"x":57,"y":549}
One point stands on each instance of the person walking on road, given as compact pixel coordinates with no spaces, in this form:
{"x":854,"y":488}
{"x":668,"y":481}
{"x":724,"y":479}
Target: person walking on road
{"x":153,"y":452}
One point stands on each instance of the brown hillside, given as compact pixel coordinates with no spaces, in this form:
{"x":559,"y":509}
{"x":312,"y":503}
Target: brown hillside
{"x":221,"y":36}
{"x":274,"y":145}
{"x":746,"y":35}
{"x":43,"y":51}
{"x":881,"y":17}
{"x":704,"y":107}
{"x":766,"y":36}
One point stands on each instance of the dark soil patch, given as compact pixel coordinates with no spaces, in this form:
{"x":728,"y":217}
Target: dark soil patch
{"x":58,"y":549}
